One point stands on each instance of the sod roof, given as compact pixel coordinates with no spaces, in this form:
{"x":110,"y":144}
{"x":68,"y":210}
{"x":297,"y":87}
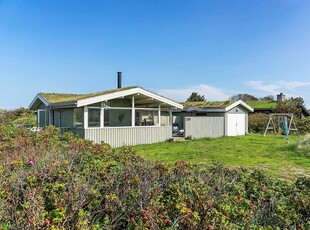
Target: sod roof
{"x":64,"y":97}
{"x":208,"y":104}
{"x":224,"y":104}
{"x":262,"y":104}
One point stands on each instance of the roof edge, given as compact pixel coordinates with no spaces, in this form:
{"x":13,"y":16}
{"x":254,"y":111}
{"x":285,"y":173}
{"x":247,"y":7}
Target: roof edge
{"x":239,"y":102}
{"x":127,"y":92}
{"x":39,"y":97}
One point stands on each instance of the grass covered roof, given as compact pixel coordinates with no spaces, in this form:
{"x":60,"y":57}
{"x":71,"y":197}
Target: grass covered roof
{"x":262,"y":104}
{"x":208,"y":104}
{"x":65,"y":97}
{"x":223,"y":104}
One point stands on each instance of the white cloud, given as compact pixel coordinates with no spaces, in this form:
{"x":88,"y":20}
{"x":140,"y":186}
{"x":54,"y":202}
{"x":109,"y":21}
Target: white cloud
{"x":292,"y":85}
{"x":278,"y":86}
{"x":211,"y":93}
{"x":269,"y":88}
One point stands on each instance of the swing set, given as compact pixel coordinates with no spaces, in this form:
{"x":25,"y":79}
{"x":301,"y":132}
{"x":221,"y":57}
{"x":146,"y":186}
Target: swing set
{"x":281,"y":123}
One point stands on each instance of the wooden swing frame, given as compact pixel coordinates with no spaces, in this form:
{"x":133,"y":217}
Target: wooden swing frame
{"x":271,"y":125}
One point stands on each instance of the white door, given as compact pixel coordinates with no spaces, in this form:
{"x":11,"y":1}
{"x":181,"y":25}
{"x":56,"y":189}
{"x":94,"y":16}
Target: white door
{"x":235,"y":124}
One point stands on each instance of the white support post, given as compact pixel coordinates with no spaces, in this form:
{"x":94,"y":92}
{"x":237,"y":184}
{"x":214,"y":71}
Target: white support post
{"x":102,"y":115}
{"x":133,"y":114}
{"x":159,"y":115}
{"x":85,"y":117}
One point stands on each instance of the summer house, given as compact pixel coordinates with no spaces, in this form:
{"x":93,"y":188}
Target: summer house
{"x":123,"y":116}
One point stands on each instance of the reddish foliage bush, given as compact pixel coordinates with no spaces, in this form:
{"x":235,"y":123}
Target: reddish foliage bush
{"x":54,"y":182}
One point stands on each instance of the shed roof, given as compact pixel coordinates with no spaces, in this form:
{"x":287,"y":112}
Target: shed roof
{"x":208,"y":104}
{"x":217,"y":106}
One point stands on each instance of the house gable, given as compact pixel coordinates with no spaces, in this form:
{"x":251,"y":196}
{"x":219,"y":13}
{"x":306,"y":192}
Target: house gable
{"x":241,"y":104}
{"x":38,"y":102}
{"x":140,"y":92}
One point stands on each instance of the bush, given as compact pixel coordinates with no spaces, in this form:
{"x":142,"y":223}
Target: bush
{"x":258,"y":122}
{"x":61,"y":182}
{"x":303,"y":125}
{"x":18,"y":116}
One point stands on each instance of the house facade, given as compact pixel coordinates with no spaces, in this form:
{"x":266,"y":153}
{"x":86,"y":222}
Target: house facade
{"x":123,"y":116}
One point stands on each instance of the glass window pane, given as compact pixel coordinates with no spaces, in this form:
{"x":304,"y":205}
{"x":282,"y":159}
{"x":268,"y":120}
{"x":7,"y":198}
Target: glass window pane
{"x":93,"y":117}
{"x":146,"y":118}
{"x":117,"y":117}
{"x":78,"y":117}
{"x":164,"y":118}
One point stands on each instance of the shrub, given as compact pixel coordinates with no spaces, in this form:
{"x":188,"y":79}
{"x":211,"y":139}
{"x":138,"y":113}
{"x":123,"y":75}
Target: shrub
{"x":303,"y":125}
{"x":258,"y":122}
{"x":61,"y":182}
{"x":18,"y":116}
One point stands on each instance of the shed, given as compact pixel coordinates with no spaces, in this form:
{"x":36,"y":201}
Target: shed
{"x":213,"y":119}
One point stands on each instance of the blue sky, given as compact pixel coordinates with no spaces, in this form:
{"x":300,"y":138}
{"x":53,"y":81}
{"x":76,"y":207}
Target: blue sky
{"x":217,"y":48}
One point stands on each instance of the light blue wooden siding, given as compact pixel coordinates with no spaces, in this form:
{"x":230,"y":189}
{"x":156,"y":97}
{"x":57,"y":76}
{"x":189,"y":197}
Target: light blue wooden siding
{"x":120,"y":136}
{"x":199,"y":127}
{"x":42,"y":106}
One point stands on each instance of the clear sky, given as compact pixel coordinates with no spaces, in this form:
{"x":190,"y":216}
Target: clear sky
{"x":217,"y":48}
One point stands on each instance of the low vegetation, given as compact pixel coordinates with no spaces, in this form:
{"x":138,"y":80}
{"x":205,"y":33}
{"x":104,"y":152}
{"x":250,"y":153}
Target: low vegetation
{"x":49,"y":181}
{"x":19,"y":116}
{"x":281,"y":157}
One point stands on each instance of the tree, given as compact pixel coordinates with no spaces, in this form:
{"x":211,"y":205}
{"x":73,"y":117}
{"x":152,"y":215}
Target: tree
{"x":292,"y":105}
{"x":244,"y":97}
{"x":196,"y":97}
{"x":267,"y":98}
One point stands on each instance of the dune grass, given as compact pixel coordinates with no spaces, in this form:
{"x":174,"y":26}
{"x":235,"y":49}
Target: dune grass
{"x":281,"y":157}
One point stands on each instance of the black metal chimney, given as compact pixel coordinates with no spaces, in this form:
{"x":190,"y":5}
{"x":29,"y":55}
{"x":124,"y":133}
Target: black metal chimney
{"x":119,"y":80}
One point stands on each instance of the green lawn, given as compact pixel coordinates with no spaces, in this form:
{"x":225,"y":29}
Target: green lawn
{"x":272,"y":152}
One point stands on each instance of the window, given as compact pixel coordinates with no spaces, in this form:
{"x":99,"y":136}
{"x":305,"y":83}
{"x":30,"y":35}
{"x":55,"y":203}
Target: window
{"x":117,"y":117}
{"x":93,"y":117}
{"x":78,"y":117}
{"x":43,"y":117}
{"x":164,"y":118}
{"x":146,"y":118}
{"x":106,"y":117}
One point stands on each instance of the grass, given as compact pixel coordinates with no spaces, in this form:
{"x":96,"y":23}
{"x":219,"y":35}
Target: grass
{"x":280,"y":157}
{"x":262,"y":104}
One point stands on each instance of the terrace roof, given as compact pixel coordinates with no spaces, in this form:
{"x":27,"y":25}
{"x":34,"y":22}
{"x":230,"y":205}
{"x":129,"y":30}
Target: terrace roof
{"x":61,"y":100}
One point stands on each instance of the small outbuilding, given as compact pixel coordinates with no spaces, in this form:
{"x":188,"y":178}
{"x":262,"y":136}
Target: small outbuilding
{"x":213,"y":119}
